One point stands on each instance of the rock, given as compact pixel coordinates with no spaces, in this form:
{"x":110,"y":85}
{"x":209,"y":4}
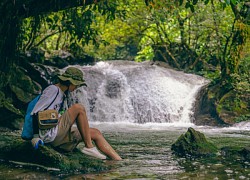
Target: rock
{"x":194,"y":144}
{"x":15,"y":97}
{"x":245,"y":152}
{"x":14,"y":149}
{"x":205,"y":110}
{"x":232,"y":152}
{"x":10,"y":115}
{"x":236,"y":153}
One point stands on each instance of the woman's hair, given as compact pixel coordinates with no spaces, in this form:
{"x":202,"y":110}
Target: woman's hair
{"x":65,"y":83}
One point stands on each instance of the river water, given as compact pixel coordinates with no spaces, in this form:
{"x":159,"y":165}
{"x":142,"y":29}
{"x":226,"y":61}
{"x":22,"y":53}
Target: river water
{"x":146,"y":153}
{"x":142,"y":109}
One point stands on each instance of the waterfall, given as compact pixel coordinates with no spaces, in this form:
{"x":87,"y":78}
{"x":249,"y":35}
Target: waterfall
{"x":122,"y":91}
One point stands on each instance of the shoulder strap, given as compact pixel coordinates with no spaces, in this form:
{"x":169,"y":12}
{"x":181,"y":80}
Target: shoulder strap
{"x":35,"y":122}
{"x":53,"y":100}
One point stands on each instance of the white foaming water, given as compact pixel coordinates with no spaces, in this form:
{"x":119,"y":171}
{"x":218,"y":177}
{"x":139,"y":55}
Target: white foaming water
{"x":130,"y":92}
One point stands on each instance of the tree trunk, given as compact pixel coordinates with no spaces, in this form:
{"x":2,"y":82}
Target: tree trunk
{"x":9,"y":29}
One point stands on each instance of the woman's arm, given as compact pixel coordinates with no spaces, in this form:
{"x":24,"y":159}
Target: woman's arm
{"x":46,"y":98}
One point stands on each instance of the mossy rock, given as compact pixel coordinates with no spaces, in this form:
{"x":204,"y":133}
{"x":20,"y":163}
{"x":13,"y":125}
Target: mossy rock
{"x":14,"y":149}
{"x":232,"y":152}
{"x":11,"y":116}
{"x":23,"y":86}
{"x":194,"y":144}
{"x":236,"y":153}
{"x":245,"y":152}
{"x":228,"y":107}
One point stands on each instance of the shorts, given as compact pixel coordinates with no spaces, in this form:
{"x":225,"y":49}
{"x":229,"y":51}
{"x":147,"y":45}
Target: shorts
{"x":68,"y":136}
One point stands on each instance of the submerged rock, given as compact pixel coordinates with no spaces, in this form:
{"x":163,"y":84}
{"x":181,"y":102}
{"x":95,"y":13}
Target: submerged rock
{"x":236,"y":153}
{"x":14,"y":149}
{"x":193,"y":143}
{"x":245,"y":152}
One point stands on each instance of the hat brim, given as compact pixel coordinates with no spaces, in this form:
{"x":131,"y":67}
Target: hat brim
{"x":74,"y":82}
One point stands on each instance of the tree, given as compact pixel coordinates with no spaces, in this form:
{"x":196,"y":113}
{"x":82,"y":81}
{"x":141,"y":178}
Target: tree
{"x":12,"y":14}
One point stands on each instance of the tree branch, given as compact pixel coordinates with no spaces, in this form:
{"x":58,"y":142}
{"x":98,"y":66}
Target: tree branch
{"x":27,"y":8}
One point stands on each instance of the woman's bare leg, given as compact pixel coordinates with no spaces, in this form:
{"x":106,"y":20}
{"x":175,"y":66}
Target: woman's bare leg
{"x":77,"y":114}
{"x":103,"y":145}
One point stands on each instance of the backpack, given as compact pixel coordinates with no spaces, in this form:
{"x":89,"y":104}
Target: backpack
{"x":30,"y":126}
{"x":27,"y":133}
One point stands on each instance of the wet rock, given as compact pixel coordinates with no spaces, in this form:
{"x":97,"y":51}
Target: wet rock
{"x":245,"y":152}
{"x":236,"y":153}
{"x":204,"y":109}
{"x":232,"y":152}
{"x":194,"y":144}
{"x":13,"y":148}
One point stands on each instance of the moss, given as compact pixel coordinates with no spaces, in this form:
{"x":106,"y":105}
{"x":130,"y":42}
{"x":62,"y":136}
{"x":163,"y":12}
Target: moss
{"x":241,"y":118}
{"x":6,"y":103}
{"x":193,"y":143}
{"x":12,"y":147}
{"x":21,"y":94}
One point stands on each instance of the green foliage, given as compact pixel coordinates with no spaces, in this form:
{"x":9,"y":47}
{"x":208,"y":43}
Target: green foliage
{"x":147,"y":53}
{"x":241,"y":118}
{"x":241,"y":88}
{"x":200,"y":36}
{"x":119,"y":38}
{"x":213,"y":76}
{"x":66,"y":30}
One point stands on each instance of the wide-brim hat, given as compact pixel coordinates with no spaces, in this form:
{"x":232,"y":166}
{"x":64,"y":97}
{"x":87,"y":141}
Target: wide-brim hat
{"x":74,"y":75}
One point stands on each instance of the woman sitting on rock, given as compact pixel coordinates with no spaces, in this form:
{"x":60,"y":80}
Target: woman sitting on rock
{"x":64,"y":135}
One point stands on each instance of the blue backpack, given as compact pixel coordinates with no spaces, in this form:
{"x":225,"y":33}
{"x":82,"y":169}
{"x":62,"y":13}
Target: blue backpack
{"x":27,"y":133}
{"x":28,"y":129}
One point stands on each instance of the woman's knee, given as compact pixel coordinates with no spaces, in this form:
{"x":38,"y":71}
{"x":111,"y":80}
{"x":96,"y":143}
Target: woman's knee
{"x":78,"y":108}
{"x":95,"y":133}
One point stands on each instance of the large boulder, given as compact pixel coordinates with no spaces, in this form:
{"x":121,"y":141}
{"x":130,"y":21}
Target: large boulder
{"x":15,"y":97}
{"x":193,"y":144}
{"x":15,"y":150}
{"x":26,"y":83}
{"x":205,"y":109}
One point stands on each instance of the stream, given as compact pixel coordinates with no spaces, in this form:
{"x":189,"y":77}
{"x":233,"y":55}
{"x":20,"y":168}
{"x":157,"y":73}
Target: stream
{"x":142,"y":109}
{"x":146,"y":153}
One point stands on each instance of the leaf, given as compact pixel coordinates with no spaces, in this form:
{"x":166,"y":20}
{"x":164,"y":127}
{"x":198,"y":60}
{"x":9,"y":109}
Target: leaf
{"x":195,"y":2}
{"x":192,"y":8}
{"x":206,"y":2}
{"x":181,"y":2}
{"x":234,"y":2}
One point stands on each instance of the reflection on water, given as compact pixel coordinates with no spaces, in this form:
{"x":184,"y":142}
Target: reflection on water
{"x":147,"y":155}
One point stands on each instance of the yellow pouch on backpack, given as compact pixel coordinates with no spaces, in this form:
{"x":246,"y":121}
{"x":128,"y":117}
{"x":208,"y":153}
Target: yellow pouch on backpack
{"x":47,"y":119}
